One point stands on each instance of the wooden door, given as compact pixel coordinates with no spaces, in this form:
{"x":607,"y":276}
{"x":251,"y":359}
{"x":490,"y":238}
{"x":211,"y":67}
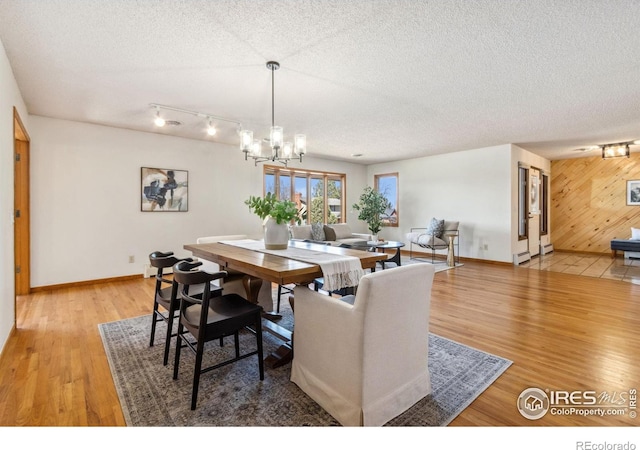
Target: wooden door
{"x":21,"y":208}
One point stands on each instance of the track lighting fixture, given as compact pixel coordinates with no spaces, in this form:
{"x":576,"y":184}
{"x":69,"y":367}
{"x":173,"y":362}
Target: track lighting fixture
{"x":209,"y":118}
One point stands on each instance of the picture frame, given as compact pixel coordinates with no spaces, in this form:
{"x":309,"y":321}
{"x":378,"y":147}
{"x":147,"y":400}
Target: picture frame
{"x":633,"y":192}
{"x":164,"y":190}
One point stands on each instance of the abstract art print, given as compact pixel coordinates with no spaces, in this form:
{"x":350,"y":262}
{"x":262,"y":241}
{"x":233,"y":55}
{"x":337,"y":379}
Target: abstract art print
{"x":164,"y":190}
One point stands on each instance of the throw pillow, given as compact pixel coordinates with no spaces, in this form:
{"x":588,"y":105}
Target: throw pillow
{"x":342,"y":230}
{"x":301,"y":232}
{"x":329,"y":233}
{"x":436,"y":228}
{"x":635,"y":234}
{"x":317,"y":232}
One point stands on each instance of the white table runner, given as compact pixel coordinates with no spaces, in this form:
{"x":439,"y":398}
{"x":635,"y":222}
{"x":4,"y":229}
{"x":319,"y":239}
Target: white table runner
{"x":338,"y":271}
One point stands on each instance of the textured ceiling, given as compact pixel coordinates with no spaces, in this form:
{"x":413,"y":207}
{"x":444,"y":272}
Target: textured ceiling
{"x":386,"y":79}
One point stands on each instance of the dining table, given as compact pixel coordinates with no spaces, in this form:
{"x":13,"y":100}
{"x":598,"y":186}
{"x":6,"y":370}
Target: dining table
{"x":260,"y":266}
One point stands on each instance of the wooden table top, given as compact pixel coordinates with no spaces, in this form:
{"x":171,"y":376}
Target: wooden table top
{"x":274,"y":268}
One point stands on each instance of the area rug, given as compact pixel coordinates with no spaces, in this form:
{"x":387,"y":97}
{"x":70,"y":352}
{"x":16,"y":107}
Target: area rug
{"x":234,"y":395}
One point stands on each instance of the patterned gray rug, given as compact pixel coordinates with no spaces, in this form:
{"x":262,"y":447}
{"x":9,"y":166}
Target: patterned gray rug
{"x":234,"y":396}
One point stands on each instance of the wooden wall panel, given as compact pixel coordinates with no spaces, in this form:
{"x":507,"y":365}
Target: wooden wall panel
{"x":589,"y":202}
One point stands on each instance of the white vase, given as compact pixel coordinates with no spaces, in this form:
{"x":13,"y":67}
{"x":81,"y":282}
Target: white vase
{"x":276,"y":236}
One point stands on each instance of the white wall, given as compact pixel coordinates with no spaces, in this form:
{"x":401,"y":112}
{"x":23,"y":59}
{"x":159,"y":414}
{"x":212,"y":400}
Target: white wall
{"x":85,"y":185}
{"x":473,"y":187}
{"x":10,"y":97}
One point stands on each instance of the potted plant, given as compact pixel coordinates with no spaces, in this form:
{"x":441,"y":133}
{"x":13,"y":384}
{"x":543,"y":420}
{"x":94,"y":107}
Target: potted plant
{"x":371,"y":205}
{"x":276,"y":215}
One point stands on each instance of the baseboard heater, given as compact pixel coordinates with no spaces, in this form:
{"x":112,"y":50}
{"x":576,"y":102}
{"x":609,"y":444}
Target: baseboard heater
{"x":519,"y":258}
{"x":547,"y":248}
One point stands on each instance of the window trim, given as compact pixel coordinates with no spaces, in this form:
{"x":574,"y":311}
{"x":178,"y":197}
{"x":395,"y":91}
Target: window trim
{"x":376,"y":184}
{"x":309,"y":174}
{"x":523,"y":203}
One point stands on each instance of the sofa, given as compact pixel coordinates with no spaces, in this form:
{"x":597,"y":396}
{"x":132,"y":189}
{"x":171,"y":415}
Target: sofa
{"x":630,"y":247}
{"x":333,"y":234}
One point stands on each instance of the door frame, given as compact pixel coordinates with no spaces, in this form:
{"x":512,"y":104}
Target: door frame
{"x":534,"y":205}
{"x":21,"y":211}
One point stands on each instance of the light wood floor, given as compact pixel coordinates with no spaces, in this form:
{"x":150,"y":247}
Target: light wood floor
{"x":590,"y":265}
{"x":562,"y":332}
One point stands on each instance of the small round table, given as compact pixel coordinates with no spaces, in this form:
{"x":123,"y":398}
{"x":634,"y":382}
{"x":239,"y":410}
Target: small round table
{"x":373,"y":246}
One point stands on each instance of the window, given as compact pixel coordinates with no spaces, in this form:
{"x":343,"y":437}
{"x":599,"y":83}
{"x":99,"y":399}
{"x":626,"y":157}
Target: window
{"x":523,"y":202}
{"x":544,"y":213}
{"x":319,"y":195}
{"x":387,"y":185}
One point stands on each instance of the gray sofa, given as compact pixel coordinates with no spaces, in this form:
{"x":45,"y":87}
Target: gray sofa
{"x":333,"y":234}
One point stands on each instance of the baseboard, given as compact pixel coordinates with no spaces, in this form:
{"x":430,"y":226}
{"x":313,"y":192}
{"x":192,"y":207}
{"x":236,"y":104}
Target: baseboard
{"x":54,"y":287}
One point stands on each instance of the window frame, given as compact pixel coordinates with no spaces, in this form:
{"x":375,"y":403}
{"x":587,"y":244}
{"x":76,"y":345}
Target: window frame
{"x":523,"y":203}
{"x":326,"y":177}
{"x":395,"y":201}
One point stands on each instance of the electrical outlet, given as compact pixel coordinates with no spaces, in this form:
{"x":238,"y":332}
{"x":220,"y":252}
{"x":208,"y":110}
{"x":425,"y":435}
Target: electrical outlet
{"x":132,"y":259}
{"x":486,"y":247}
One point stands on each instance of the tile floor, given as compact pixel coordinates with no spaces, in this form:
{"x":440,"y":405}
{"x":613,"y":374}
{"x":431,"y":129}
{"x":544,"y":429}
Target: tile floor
{"x":599,"y":266}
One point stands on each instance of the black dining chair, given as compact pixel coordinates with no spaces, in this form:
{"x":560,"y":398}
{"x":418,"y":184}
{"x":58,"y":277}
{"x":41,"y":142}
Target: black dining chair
{"x":165,"y":298}
{"x":210,"y":318}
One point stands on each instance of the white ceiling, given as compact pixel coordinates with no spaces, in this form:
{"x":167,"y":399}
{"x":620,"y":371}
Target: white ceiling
{"x":387,"y":79}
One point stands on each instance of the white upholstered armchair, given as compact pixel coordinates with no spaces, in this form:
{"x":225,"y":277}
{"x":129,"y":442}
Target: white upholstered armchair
{"x":366,"y":362}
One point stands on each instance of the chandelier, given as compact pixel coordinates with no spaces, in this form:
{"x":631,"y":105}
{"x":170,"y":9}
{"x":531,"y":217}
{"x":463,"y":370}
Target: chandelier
{"x":281,"y":151}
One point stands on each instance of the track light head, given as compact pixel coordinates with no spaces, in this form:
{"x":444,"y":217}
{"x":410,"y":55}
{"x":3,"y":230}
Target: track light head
{"x":159,"y":121}
{"x":211,"y":130}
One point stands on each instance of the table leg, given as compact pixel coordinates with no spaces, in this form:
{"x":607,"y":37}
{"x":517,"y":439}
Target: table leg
{"x":451,"y":258}
{"x":395,"y":258}
{"x":252,"y":287}
{"x":284,"y":353}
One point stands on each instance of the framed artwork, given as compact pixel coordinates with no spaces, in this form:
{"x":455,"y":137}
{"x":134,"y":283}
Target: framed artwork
{"x":164,"y":190}
{"x":633,"y":192}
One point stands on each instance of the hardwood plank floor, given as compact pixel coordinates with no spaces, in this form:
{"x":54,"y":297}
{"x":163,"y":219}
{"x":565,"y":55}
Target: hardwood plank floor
{"x":562,"y":332}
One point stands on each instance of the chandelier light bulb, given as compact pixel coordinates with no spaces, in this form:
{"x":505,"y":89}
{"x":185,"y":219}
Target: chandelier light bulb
{"x":287,"y":150}
{"x":300,"y":144}
{"x":277,"y":137}
{"x":256,"y":148}
{"x":246,"y":140}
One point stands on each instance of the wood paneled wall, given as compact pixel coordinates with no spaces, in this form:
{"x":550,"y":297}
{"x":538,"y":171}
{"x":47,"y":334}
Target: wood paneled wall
{"x":589,"y":203}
